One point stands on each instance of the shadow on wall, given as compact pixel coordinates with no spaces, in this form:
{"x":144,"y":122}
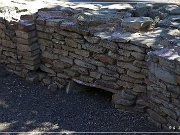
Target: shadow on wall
{"x":31,"y":108}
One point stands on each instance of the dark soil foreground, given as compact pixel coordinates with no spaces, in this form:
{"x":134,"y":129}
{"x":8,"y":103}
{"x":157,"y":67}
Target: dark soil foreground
{"x":31,"y":107}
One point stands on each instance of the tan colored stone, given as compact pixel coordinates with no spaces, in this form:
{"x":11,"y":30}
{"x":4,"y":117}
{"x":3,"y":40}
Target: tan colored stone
{"x":60,"y":64}
{"x":131,"y":79}
{"x":60,"y":51}
{"x":154,"y":115}
{"x":107,"y":78}
{"x":117,"y":99}
{"x":124,"y":53}
{"x":27,"y":48}
{"x":178,"y":79}
{"x":62,"y":75}
{"x":173,"y":122}
{"x":32,"y":67}
{"x":137,"y":23}
{"x":47,"y":55}
{"x":83,"y":53}
{"x":176,"y":102}
{"x":86,"y":79}
{"x":140,"y":88}
{"x":128,"y":66}
{"x":70,"y":72}
{"x":135,"y":75}
{"x":73,"y":55}
{"x":26,"y":26}
{"x":107,"y":72}
{"x":93,"y":48}
{"x":80,"y":70}
{"x":66,"y":59}
{"x":169,"y":112}
{"x":141,"y":64}
{"x":106,"y":84}
{"x":92,"y":40}
{"x":26,"y":41}
{"x":138,"y":56}
{"x":94,"y":62}
{"x":44,"y":35}
{"x":25,"y":35}
{"x":8,"y":43}
{"x":68,"y":48}
{"x":58,"y":37}
{"x":109,"y":45}
{"x":31,"y":62}
{"x":69,"y":34}
{"x":84,"y":64}
{"x":71,"y":43}
{"x":46,"y":69}
{"x":104,"y":59}
{"x":95,"y":75}
{"x":131,"y":47}
{"x":47,"y":81}
{"x":10,"y":54}
{"x":53,"y":22}
{"x":45,"y":42}
{"x":125,"y":84}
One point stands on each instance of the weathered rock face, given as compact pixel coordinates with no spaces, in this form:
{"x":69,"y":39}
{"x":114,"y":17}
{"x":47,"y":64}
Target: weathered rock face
{"x":101,"y":48}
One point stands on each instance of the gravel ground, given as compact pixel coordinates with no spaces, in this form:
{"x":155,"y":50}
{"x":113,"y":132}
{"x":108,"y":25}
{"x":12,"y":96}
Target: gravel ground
{"x":31,"y":107}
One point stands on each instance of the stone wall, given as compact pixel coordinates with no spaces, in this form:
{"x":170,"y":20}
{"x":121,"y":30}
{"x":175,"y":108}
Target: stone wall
{"x":101,"y":48}
{"x":164,"y":87}
{"x":19,"y":49}
{"x":75,"y":50}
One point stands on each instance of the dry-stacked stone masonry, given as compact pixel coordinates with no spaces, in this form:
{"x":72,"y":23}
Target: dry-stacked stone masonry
{"x":163,"y":89}
{"x":19,"y":48}
{"x":133,"y":53}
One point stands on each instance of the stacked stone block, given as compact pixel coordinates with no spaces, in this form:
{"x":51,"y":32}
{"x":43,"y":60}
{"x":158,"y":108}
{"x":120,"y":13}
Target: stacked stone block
{"x":19,"y":47}
{"x":133,"y":74}
{"x":8,"y":48}
{"x":28,"y":48}
{"x":70,"y":51}
{"x":107,"y":49}
{"x":164,"y":88}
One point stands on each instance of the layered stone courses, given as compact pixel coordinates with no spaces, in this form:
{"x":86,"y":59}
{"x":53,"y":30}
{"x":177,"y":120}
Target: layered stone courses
{"x":20,"y":50}
{"x":123,"y":54}
{"x":164,"y":86}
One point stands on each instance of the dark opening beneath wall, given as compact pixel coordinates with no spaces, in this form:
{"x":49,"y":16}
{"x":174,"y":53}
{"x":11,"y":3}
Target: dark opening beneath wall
{"x":101,"y":94}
